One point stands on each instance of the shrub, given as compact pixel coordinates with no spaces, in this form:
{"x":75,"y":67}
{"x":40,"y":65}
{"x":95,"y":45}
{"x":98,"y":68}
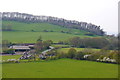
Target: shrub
{"x":62,"y":55}
{"x":88,"y":51}
{"x":116,"y":56}
{"x":80,"y":56}
{"x":52,"y":53}
{"x":9,"y":51}
{"x":94,"y":56}
{"x":71,"y":53}
{"x":12,"y":61}
{"x":89,"y":34}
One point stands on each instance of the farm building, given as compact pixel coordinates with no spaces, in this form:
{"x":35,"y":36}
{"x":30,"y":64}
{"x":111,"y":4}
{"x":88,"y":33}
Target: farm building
{"x":31,"y":46}
{"x":18,"y":48}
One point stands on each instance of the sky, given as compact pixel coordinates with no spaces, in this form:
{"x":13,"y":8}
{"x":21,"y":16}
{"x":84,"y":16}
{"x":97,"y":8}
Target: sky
{"x":103,"y":13}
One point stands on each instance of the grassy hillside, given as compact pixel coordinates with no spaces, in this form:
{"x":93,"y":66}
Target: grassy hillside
{"x":29,"y":32}
{"x":62,"y":68}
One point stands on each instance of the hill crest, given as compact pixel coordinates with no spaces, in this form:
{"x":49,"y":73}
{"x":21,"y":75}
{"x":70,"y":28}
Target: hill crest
{"x":29,"y":18}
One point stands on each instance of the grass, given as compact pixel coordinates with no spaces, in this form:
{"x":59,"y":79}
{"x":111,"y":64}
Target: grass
{"x":60,"y":45}
{"x":29,"y":32}
{"x":65,"y":50}
{"x":62,"y":68}
{"x":26,"y":37}
{"x":6,"y":57}
{"x":20,"y":26}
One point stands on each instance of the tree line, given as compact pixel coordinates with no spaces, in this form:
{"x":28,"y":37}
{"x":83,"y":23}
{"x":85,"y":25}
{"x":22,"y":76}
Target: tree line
{"x":94,"y":42}
{"x":23,"y":17}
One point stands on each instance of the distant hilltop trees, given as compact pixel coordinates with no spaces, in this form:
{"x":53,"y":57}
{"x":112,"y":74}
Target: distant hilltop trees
{"x":23,"y":17}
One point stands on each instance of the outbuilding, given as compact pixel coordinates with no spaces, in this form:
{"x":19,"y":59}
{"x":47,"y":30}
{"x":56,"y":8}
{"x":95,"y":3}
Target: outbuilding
{"x":19,"y":48}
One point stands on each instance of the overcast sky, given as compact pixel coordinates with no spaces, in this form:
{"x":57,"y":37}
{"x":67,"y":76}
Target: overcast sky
{"x":99,"y":12}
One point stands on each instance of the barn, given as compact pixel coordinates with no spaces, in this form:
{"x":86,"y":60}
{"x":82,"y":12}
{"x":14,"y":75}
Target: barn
{"x":19,"y":48}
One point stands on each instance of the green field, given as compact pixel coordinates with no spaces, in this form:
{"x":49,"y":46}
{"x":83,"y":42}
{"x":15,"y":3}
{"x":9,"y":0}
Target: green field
{"x":6,"y":57}
{"x":60,"y":45}
{"x":62,"y":68}
{"x":29,"y":32}
{"x":31,"y":37}
{"x":65,"y":50}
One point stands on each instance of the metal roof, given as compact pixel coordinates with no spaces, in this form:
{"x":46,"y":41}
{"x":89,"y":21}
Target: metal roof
{"x":19,"y":47}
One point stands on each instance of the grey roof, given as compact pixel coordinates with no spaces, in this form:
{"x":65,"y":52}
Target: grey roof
{"x":31,"y":45}
{"x":19,"y":47}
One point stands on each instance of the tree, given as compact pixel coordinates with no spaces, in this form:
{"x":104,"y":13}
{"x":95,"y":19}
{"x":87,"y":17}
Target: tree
{"x":94,"y":56}
{"x":52,"y":53}
{"x":96,"y":42}
{"x":101,"y":57}
{"x":104,"y":51}
{"x":71,"y":53}
{"x":88,"y":51}
{"x":47,"y":43}
{"x":39,"y":39}
{"x":116,"y":56}
{"x":9,"y":51}
{"x":110,"y":55}
{"x":79,"y":55}
{"x":50,"y":41}
{"x":89,"y":42}
{"x":61,"y":55}
{"x":39,"y":45}
{"x":113,"y":42}
{"x":5,"y":44}
{"x":75,"y":41}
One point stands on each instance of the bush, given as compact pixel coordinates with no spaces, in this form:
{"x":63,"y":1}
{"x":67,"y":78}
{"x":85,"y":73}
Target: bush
{"x":12,"y":61}
{"x":45,"y":31}
{"x":48,"y":58}
{"x":9,"y":51}
{"x":71,"y":53}
{"x":32,"y":30}
{"x":62,"y":55}
{"x":88,"y":51}
{"x":93,"y":57}
{"x":53,"y":58}
{"x":52,"y":53}
{"x":79,"y":56}
{"x":116,"y":56}
{"x":89,"y":34}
